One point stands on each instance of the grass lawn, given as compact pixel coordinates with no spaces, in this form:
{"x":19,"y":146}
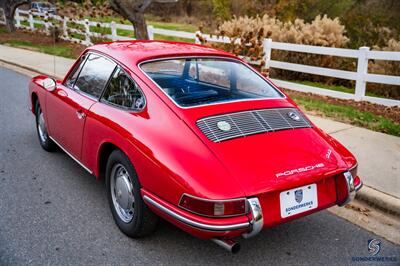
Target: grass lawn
{"x":58,"y":49}
{"x":173,"y":26}
{"x":172,"y":38}
{"x":37,"y":25}
{"x":349,"y":114}
{"x":155,"y":24}
{"x":332,"y":87}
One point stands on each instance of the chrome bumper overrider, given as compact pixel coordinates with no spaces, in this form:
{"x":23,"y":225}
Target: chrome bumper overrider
{"x":255,"y":225}
{"x":257,"y":221}
{"x":351,"y":189}
{"x":359,"y":186}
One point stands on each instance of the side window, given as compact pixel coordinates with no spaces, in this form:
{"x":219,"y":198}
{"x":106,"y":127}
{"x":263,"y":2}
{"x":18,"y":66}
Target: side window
{"x":123,"y":91}
{"x":94,"y":75}
{"x":70,"y":81}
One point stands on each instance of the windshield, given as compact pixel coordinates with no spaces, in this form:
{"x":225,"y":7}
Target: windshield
{"x":197,"y":81}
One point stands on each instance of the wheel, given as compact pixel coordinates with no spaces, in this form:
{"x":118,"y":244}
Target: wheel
{"x":44,"y":139}
{"x":130,"y":213}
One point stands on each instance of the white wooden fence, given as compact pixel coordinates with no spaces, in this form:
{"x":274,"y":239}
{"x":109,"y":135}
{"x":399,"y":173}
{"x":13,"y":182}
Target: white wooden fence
{"x":30,"y":20}
{"x":2,"y":17}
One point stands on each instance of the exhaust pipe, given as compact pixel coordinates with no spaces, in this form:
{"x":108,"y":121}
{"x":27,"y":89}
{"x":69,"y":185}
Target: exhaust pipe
{"x":228,"y":244}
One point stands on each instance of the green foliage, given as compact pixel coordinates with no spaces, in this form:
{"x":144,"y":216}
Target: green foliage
{"x":221,"y":9}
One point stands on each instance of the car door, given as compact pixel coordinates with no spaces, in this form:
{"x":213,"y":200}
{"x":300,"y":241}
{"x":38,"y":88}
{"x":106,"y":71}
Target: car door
{"x":68,"y":104}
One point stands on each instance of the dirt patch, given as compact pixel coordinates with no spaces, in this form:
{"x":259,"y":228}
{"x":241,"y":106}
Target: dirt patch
{"x":392,"y":113}
{"x":39,"y":39}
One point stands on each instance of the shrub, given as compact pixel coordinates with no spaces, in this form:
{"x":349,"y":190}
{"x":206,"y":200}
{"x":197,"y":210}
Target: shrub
{"x":322,"y":31}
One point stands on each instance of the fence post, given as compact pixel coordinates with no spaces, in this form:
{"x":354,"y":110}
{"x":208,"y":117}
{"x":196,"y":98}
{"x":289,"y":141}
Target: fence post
{"x":17,"y":19}
{"x":197,"y":40}
{"x":87,"y":32}
{"x":150,"y":32}
{"x":362,"y":70}
{"x":113,"y":27}
{"x":65,"y":27}
{"x":31,"y":24}
{"x":46,"y":22}
{"x":267,"y":47}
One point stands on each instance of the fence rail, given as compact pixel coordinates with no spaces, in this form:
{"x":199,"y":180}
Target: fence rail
{"x":30,"y":20}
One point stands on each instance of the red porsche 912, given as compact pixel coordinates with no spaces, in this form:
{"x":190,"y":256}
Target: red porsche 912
{"x":193,"y":135}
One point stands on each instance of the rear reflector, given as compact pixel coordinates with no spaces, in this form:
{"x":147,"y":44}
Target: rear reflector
{"x":214,"y":208}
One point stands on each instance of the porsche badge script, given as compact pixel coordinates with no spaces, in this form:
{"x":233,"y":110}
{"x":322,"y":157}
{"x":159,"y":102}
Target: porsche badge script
{"x":299,"y":170}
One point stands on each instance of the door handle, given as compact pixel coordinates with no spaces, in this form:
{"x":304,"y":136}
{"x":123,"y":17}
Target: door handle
{"x":62,"y":93}
{"x":80,"y":114}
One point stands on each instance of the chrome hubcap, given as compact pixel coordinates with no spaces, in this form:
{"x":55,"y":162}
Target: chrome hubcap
{"x":42,"y":128}
{"x":122,"y":193}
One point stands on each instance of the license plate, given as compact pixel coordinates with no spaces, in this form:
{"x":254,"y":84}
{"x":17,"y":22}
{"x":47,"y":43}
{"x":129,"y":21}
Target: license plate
{"x":298,"y":200}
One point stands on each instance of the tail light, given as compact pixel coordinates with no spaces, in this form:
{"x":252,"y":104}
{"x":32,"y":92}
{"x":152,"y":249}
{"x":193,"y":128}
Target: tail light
{"x":214,"y":208}
{"x":354,"y":173}
{"x":353,"y":170}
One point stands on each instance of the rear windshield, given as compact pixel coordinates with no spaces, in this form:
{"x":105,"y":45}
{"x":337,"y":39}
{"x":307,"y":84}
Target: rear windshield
{"x":198,"y":81}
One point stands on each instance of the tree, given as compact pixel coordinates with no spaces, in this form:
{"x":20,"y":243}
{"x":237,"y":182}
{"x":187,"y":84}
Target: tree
{"x":9,"y":7}
{"x":133,"y":10}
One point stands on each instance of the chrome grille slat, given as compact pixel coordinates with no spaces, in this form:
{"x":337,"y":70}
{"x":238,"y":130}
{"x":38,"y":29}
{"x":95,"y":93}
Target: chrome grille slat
{"x":247,"y":123}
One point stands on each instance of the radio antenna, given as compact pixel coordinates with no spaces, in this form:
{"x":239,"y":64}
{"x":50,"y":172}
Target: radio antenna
{"x":54,"y":48}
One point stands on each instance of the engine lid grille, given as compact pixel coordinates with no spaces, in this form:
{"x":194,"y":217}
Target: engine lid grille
{"x":240,"y":124}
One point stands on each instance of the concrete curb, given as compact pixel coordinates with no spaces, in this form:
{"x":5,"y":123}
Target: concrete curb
{"x":29,"y":69}
{"x":379,"y":200}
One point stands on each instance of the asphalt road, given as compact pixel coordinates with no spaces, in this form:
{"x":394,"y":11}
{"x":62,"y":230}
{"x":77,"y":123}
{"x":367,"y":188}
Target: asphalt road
{"x":52,"y":212}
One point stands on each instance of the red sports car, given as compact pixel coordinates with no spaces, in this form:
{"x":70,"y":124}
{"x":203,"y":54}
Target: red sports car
{"x":193,"y":135}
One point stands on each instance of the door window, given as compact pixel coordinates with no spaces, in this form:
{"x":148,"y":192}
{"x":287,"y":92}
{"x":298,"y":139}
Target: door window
{"x":94,"y":75}
{"x":123,"y":91}
{"x":70,"y":81}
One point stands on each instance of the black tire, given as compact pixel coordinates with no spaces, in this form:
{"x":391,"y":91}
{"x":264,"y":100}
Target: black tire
{"x":144,"y":221}
{"x":44,"y":140}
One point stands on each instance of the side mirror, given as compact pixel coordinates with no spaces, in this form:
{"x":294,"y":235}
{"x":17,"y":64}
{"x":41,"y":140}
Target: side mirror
{"x":49,"y":84}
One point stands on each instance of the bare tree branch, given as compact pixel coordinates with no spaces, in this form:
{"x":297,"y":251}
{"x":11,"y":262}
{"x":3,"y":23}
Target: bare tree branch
{"x":9,"y":7}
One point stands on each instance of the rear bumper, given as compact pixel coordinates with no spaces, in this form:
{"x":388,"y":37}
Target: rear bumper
{"x":205,"y":227}
{"x":198,"y":225}
{"x":251,"y":224}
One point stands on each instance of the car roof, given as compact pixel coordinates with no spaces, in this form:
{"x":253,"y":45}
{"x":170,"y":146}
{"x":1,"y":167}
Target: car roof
{"x":131,"y":53}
